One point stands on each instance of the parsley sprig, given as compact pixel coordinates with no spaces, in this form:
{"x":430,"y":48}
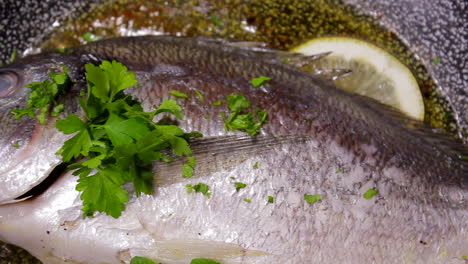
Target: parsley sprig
{"x":118,"y":142}
{"x":43,"y":97}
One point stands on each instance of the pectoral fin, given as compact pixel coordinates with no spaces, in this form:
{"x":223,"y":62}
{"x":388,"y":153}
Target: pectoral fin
{"x":219,"y":153}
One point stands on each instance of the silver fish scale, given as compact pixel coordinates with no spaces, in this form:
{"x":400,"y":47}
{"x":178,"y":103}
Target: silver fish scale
{"x":173,"y":226}
{"x":340,"y":222}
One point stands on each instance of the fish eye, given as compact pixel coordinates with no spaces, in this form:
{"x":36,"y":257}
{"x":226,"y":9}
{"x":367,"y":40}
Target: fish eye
{"x":8,"y":83}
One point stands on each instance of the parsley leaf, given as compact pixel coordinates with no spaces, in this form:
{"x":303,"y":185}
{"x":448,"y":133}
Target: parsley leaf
{"x":270,"y":199}
{"x":256,"y":82}
{"x":370,"y":193}
{"x":16,"y":144}
{"x":239,"y":120}
{"x":178,"y":94}
{"x":187,"y":170}
{"x":240,"y":185}
{"x":174,"y":136}
{"x":255,"y":166}
{"x":200,"y":95}
{"x":43,"y":96}
{"x":312,"y":198}
{"x":169,"y":106}
{"x":199,"y":188}
{"x":218,"y":22}
{"x":217,"y":103}
{"x":108,"y":79}
{"x":98,"y":82}
{"x":90,"y":37}
{"x":103,"y":192}
{"x":247,"y":200}
{"x":237,"y":102}
{"x":204,"y":261}
{"x":119,"y":78}
{"x":76,"y":146}
{"x":124,"y":131}
{"x":14,"y":54}
{"x":70,"y":124}
{"x":141,"y":260}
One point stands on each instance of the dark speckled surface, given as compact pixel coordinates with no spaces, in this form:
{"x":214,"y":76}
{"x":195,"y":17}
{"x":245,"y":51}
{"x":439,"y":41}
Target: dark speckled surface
{"x":24,"y":24}
{"x":432,"y":29}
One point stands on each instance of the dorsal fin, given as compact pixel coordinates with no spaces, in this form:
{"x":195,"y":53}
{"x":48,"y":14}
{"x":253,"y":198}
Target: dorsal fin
{"x":433,"y":141}
{"x":260,"y":48}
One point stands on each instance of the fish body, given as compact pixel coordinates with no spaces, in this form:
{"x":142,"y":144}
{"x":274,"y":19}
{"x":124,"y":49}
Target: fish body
{"x":318,"y":140}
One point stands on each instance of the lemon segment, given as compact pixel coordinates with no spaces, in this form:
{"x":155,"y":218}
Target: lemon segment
{"x":375,"y":72}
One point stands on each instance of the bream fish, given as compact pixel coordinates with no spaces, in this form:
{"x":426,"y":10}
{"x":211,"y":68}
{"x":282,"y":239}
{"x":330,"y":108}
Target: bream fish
{"x":318,"y":140}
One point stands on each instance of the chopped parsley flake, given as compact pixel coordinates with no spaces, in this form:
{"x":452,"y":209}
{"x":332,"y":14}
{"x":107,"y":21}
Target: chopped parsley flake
{"x":436,"y":60}
{"x":204,"y":261}
{"x":217,"y":103}
{"x":178,"y":94}
{"x":64,"y":50}
{"x":240,"y":185}
{"x":255,"y":166}
{"x":339,"y":170}
{"x":16,"y":144}
{"x":200,"y":95}
{"x":256,"y":82}
{"x":464,"y":257}
{"x":241,"y":120}
{"x":90,"y":37}
{"x":218,"y":22}
{"x":14,"y":54}
{"x":247,"y":200}
{"x":199,"y":188}
{"x":312,"y":198}
{"x":206,"y":116}
{"x":141,"y":260}
{"x":271,"y":199}
{"x":370,"y":193}
{"x":187,"y":170}
{"x":43,"y":96}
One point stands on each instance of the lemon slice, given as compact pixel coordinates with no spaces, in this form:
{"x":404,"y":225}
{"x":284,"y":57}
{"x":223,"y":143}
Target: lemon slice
{"x":375,"y":73}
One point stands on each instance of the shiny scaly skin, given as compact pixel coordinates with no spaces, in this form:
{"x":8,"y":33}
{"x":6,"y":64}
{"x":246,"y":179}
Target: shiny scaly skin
{"x":26,"y":148}
{"x":419,"y":216}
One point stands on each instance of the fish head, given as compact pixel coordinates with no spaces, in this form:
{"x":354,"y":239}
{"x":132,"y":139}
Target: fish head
{"x":28,"y":148}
